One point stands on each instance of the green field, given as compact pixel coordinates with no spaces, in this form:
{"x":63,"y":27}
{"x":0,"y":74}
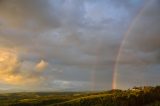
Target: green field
{"x":138,"y":96}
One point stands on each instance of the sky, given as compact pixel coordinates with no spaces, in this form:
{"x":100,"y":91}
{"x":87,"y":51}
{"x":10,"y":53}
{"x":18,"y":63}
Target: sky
{"x":79,"y":45}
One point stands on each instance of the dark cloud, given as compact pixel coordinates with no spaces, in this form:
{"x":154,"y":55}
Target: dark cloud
{"x":145,"y":33}
{"x":36,"y":14}
{"x":79,"y":38}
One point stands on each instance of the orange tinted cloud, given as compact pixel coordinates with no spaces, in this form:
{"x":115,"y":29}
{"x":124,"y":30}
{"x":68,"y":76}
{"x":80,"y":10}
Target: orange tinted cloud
{"x":10,"y":71}
{"x":42,"y":65}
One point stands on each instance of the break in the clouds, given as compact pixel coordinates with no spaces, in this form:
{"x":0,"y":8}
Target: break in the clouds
{"x":73,"y":44}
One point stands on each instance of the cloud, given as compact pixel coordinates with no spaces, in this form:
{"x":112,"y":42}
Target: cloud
{"x":71,"y":39}
{"x":10,"y":69}
{"x":42,"y":65}
{"x":144,"y":35}
{"x":8,"y":61}
{"x":28,"y":14}
{"x":147,"y":40}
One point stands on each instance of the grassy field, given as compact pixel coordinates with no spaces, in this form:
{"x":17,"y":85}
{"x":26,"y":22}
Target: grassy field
{"x":138,"y":96}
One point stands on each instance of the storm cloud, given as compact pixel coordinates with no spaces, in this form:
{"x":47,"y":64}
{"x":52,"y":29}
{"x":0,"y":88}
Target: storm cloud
{"x":73,"y":44}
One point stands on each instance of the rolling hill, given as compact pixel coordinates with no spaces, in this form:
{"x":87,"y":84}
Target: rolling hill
{"x":138,"y":96}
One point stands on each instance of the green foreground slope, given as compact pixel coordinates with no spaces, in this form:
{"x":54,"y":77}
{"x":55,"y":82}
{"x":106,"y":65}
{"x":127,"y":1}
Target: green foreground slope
{"x":134,"y":97}
{"x":138,"y":96}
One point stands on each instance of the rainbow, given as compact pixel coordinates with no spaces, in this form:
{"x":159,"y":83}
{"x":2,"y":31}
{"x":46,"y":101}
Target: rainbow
{"x":115,"y":68}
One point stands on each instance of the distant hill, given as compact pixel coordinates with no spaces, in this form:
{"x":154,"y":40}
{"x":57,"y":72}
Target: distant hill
{"x":137,"y":96}
{"x":12,"y":91}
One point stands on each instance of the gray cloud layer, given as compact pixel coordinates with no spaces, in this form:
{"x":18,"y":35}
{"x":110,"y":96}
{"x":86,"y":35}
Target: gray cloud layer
{"x":79,"y":40}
